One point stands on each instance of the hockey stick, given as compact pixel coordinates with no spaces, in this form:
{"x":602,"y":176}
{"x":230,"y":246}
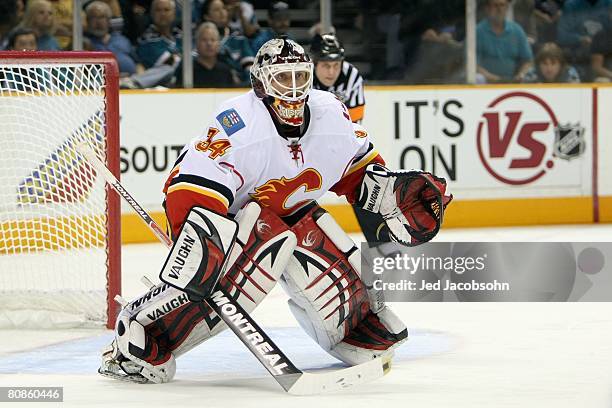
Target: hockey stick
{"x":292,"y":379}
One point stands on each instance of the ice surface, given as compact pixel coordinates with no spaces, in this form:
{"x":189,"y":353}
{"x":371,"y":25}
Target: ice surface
{"x":458,"y":354}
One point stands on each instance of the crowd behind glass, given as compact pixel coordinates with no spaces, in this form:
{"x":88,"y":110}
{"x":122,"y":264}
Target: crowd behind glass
{"x":410,"y":41}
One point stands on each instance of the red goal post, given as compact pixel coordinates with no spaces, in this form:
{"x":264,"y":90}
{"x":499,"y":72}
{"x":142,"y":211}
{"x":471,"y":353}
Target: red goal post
{"x":60,"y":239}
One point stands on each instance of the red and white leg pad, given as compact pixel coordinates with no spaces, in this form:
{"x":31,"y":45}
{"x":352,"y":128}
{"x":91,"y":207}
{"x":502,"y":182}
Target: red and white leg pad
{"x":136,"y":345}
{"x":328,"y":297}
{"x":173,"y":324}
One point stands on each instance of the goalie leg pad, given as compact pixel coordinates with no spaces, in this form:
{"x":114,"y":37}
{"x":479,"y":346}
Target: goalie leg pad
{"x":170,"y":325}
{"x":134,"y":355}
{"x":174,"y":324}
{"x":260,"y":253}
{"x":328,"y":297}
{"x":157,"y":365}
{"x":262,"y":249}
{"x":173,"y":321}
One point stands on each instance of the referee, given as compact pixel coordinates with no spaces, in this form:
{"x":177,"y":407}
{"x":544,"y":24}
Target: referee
{"x":335,"y":75}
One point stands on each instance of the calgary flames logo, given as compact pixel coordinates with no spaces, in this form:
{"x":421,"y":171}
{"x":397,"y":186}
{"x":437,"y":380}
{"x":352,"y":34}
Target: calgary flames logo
{"x":310,"y":239}
{"x":263,"y":227}
{"x":275,"y":193}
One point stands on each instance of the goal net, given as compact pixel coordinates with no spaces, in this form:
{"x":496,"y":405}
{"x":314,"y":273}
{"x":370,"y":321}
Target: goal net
{"x":59,"y":223}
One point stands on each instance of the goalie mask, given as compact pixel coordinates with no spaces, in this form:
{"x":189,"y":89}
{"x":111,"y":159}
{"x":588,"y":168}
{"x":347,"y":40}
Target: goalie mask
{"x":282,"y":77}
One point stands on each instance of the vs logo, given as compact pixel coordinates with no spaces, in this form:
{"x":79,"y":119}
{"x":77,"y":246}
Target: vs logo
{"x":518,"y":137}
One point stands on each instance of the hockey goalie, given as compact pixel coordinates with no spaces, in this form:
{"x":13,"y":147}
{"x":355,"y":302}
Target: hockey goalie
{"x":241,"y":204}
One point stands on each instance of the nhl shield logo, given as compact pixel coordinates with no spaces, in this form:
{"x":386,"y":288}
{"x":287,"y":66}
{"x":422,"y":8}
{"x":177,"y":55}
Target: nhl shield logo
{"x":569,"y":141}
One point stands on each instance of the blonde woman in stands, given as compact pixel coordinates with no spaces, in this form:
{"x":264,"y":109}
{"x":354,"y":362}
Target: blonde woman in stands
{"x":63,"y":21}
{"x":40,"y":17}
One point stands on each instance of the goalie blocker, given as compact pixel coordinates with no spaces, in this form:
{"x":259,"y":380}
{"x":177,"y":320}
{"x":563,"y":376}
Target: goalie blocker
{"x":197,"y":258}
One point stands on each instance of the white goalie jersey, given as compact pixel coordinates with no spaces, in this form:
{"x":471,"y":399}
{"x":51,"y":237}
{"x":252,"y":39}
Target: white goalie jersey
{"x":241,"y":157}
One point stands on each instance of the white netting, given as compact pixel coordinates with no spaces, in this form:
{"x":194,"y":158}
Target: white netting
{"x":53,"y":209}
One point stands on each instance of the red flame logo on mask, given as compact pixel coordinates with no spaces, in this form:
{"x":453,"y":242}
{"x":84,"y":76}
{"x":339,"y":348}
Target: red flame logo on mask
{"x":275,"y":193}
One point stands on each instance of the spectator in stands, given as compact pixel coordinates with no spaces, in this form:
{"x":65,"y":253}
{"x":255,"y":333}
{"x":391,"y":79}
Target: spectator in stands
{"x":235,"y":49}
{"x":601,"y":55}
{"x":317,"y":29}
{"x":39,"y":16}
{"x":279,"y":19}
{"x":242,"y":18}
{"x":383,"y":40}
{"x":8,"y":20}
{"x":580,"y":22}
{"x":16,"y":79}
{"x":416,"y":18}
{"x":503,"y":52}
{"x":98,"y":16}
{"x":22,"y":39}
{"x":547,"y":14}
{"x":433,"y":45}
{"x":550,"y":66}
{"x":136,"y":18}
{"x":116,"y":19}
{"x":208,"y":71}
{"x":161,"y":43}
{"x":524,"y":15}
{"x":63,"y":12}
{"x":20,"y":8}
{"x":335,"y":75}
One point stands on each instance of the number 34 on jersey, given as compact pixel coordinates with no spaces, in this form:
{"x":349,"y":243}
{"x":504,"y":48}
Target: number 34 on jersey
{"x":214,"y":148}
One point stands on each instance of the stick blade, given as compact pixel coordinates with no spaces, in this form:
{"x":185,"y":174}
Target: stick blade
{"x":318,"y":383}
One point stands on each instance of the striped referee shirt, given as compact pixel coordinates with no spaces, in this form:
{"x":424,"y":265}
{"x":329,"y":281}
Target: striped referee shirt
{"x":349,"y":89}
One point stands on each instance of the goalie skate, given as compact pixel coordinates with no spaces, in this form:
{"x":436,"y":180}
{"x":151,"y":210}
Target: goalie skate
{"x":114,"y":365}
